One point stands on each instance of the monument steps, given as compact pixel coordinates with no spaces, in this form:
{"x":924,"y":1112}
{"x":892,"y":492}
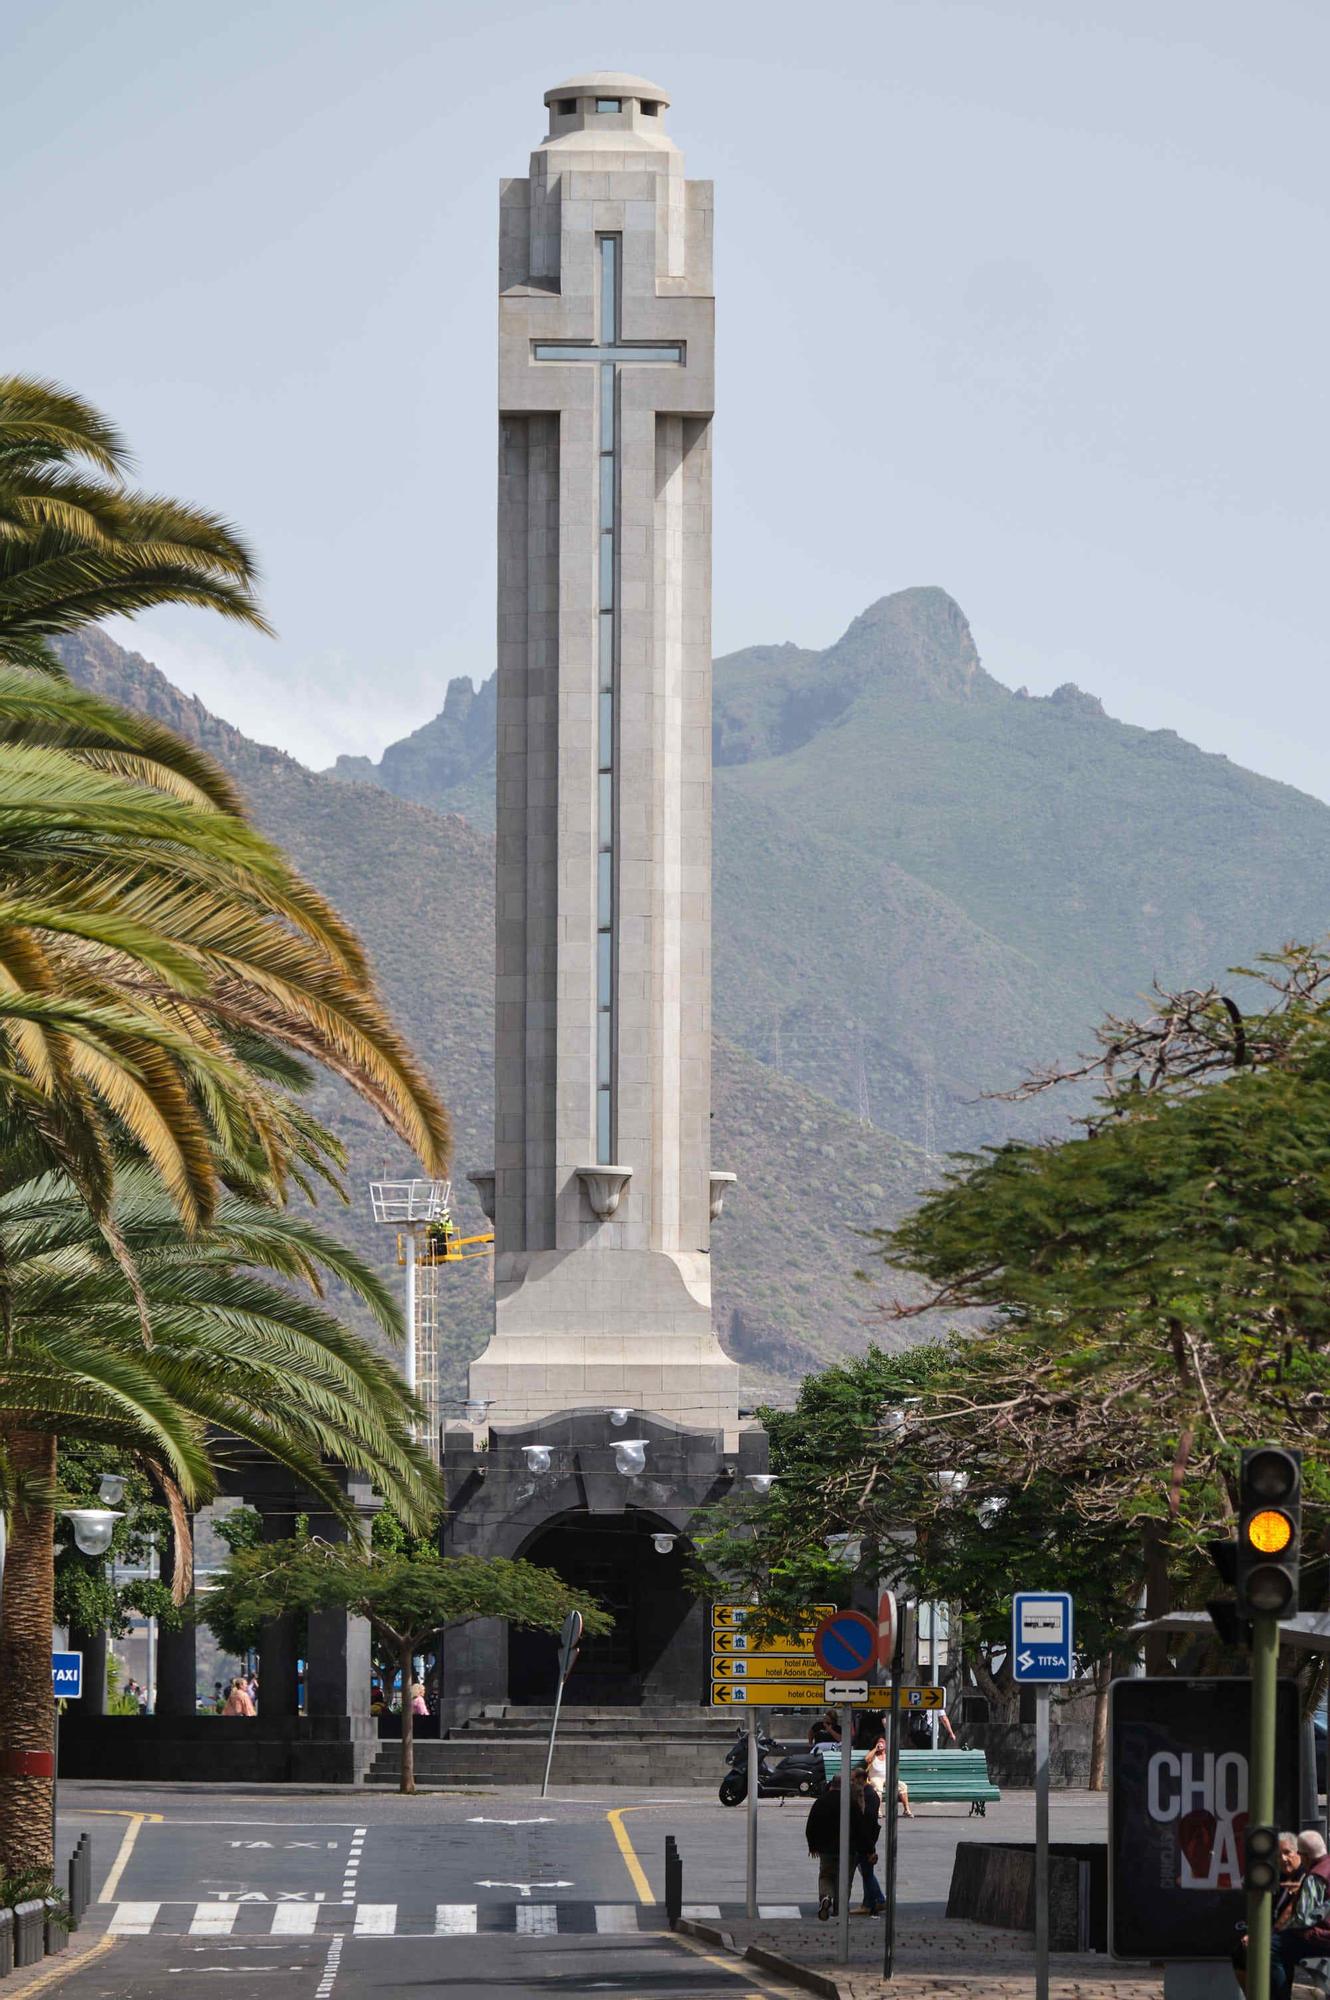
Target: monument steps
{"x":647,"y":1746}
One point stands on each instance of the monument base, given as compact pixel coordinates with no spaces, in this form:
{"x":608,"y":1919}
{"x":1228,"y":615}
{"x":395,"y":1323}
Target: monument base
{"x":622,"y":1535}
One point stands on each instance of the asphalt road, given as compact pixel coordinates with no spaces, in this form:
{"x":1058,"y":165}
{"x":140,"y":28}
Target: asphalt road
{"x":338,"y":1896}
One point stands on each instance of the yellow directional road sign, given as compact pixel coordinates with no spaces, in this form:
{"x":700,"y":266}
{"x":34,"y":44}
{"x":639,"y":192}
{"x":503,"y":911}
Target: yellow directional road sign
{"x":724,"y":1616}
{"x":723,"y":1668}
{"x":770,"y":1694}
{"x":798,"y":1645}
{"x":910,"y":1697}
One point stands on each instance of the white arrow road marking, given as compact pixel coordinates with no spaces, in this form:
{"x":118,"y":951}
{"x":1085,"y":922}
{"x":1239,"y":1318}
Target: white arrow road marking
{"x":479,"y":1821}
{"x":525,"y":1888}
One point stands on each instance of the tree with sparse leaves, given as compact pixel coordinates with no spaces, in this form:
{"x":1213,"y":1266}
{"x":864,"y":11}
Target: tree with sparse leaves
{"x":407,"y":1594}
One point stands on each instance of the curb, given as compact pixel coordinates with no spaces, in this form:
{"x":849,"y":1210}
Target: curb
{"x":62,"y":1964}
{"x":770,"y":1961}
{"x":797,"y":1975}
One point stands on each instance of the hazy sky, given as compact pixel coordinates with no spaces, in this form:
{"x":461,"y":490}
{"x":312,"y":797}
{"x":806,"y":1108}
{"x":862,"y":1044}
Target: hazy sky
{"x":1050,"y":281}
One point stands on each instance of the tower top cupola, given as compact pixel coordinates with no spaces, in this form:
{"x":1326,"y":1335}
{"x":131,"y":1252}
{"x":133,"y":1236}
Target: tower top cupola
{"x":609,"y":108}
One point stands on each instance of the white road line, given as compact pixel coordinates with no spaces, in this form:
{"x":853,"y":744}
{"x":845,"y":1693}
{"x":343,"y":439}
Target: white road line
{"x":618,"y":1917}
{"x":330,"y":1965}
{"x":214,"y":1919}
{"x":538,"y":1919}
{"x":779,"y":1910}
{"x":376,"y":1919}
{"x":452,"y":1919}
{"x":294,"y":1919}
{"x":700,"y":1910}
{"x":133,"y":1919}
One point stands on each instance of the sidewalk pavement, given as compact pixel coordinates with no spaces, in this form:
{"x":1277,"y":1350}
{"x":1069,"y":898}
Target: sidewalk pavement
{"x":935,"y":1956}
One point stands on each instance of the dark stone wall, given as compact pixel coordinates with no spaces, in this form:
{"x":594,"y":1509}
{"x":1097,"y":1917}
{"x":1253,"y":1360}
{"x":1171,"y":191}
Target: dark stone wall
{"x":992,"y":1882}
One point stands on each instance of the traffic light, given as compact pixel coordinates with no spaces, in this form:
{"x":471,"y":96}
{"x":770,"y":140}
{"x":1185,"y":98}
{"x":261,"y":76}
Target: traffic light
{"x":1269,"y":1532}
{"x":1233,"y":1630}
{"x":1261,"y":1874}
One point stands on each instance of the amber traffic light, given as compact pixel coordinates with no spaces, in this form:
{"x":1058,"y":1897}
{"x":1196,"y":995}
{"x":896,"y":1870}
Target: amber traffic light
{"x":1269,"y":1525}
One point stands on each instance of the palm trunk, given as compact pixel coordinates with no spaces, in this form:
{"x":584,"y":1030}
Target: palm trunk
{"x":1103,"y":1674}
{"x":408,"y":1723}
{"x":27,"y":1707}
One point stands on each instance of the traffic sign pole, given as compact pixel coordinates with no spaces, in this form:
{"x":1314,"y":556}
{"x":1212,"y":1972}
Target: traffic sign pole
{"x":843,"y":1861}
{"x":1261,"y":1789}
{"x":1041,"y":1702}
{"x":751,"y":1905}
{"x":889,"y":1804}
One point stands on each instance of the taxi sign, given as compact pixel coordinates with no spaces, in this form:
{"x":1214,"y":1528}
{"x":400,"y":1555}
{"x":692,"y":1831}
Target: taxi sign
{"x":67,"y":1676}
{"x":767,"y":1693}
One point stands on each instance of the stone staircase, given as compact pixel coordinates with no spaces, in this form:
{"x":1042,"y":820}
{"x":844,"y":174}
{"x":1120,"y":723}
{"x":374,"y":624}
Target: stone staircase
{"x":651,"y":1746}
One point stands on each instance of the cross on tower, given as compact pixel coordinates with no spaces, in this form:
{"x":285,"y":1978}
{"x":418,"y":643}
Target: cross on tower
{"x":608,"y":353}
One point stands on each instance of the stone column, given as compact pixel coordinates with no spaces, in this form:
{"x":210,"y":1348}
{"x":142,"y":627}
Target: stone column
{"x":337,"y":1665}
{"x":279,"y":1649}
{"x":177,"y":1652}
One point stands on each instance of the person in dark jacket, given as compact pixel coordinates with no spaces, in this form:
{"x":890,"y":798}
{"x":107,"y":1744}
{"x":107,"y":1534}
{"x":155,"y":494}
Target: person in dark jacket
{"x":863,"y":1795}
{"x":1310,"y":1937}
{"x":822,"y":1832}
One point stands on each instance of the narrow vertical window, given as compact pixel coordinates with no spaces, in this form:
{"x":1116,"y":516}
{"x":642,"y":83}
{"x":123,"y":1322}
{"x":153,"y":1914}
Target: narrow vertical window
{"x":607,"y":569}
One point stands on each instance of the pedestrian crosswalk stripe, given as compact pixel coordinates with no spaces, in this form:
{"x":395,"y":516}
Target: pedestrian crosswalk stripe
{"x":294,"y":1919}
{"x":384,"y":1920}
{"x":538,"y":1919}
{"x":618,"y":1917}
{"x":214,"y":1919}
{"x":134,"y":1919}
{"x":376,"y":1919}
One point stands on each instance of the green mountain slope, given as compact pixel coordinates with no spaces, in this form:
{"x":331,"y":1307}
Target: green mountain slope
{"x":418,"y":885}
{"x":927,"y":883}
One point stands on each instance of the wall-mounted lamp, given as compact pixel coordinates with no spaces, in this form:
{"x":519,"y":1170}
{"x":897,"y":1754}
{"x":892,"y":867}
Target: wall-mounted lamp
{"x":663,"y":1544}
{"x":477,"y":1409}
{"x":761,"y":1483}
{"x":619,"y":1417}
{"x":630,"y":1457}
{"x":949,"y":1483}
{"x":93,"y":1528}
{"x":537,"y":1458}
{"x":111,"y":1488}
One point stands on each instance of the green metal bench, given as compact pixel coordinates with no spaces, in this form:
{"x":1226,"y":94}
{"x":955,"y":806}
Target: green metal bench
{"x":937,"y":1775}
{"x":934,"y":1776}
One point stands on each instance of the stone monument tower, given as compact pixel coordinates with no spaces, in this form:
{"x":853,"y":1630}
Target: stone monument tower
{"x":602,"y":1189}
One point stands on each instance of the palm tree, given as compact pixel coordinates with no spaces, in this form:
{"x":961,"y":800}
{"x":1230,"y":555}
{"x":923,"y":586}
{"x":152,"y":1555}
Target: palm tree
{"x":236,"y":1353}
{"x":76,"y":544}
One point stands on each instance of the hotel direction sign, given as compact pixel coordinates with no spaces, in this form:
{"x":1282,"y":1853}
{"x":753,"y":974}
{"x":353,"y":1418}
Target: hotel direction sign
{"x":725,"y":1617}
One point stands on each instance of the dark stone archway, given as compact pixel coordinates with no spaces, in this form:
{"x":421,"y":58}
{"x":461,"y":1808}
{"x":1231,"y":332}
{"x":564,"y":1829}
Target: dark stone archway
{"x":613,"y":1558}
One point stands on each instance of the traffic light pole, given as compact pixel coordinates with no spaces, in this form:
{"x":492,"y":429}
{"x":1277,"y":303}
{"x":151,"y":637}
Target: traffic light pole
{"x":1261,"y":1790}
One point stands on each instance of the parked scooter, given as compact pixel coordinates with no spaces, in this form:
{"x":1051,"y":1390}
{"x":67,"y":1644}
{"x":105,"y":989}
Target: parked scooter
{"x":784,"y":1771}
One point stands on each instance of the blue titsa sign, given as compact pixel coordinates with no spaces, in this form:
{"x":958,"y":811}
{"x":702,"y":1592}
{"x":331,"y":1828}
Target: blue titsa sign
{"x":1041,"y":1628}
{"x":67,"y":1675}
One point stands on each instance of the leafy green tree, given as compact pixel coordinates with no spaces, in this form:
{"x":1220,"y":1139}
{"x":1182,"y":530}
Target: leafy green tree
{"x":236,"y":1352}
{"x":407,"y":1596}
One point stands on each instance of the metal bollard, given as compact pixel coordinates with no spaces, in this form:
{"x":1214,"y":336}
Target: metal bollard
{"x":6,"y":1942}
{"x":56,"y":1927}
{"x":29,"y":1933}
{"x":80,"y":1879}
{"x":673,"y":1882}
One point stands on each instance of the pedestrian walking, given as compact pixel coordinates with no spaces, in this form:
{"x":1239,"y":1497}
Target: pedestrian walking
{"x":822,"y":1832}
{"x":864,"y":1795}
{"x":419,"y":1705}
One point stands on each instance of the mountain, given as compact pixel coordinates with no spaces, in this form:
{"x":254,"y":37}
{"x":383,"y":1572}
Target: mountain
{"x":418,"y":885}
{"x":927,"y":883}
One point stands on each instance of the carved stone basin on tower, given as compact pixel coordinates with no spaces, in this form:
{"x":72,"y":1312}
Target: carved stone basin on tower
{"x":720,"y":1187}
{"x":483,"y":1183}
{"x":604,"y":1187}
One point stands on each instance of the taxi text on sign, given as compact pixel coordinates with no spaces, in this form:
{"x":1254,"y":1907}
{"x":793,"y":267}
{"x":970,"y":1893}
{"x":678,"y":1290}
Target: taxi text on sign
{"x":67,"y":1676}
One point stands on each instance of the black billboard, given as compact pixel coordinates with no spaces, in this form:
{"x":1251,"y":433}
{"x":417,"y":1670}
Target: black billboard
{"x":1177,"y":1815}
